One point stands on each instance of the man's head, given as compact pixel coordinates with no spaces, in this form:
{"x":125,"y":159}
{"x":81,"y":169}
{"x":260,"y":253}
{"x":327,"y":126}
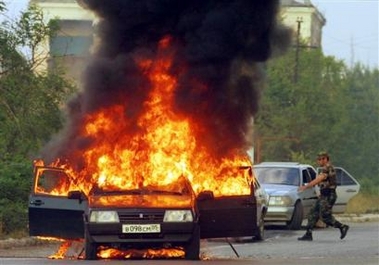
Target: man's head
{"x":322,"y":158}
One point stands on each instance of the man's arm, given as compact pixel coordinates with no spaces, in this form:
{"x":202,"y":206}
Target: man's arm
{"x":317,"y":180}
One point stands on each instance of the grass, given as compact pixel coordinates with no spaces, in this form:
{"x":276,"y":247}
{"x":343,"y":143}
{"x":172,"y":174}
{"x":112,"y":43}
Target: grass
{"x":363,"y":203}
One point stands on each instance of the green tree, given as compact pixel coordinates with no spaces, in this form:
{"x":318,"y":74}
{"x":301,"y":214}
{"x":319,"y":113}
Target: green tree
{"x":30,"y":109}
{"x":329,"y":107}
{"x":359,"y":141}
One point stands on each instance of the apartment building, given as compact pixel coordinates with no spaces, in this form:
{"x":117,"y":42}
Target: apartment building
{"x":71,"y":47}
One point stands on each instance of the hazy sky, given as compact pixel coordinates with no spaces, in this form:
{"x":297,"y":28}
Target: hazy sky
{"x":350,"y":34}
{"x":351,"y":30}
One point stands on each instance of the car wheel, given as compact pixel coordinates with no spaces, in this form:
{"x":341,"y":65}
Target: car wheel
{"x":90,"y":248}
{"x":259,"y":236}
{"x":297,"y":217}
{"x":192,"y":249}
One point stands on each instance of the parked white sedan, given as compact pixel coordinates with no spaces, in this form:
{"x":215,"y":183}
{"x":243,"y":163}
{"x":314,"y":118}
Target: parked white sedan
{"x":281,"y":181}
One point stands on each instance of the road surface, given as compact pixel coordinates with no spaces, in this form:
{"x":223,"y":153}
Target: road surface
{"x":361,"y":246}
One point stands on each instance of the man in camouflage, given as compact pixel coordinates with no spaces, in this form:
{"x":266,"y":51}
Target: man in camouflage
{"x":323,"y":206}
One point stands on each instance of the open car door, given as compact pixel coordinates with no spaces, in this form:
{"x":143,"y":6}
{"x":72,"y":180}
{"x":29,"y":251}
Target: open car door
{"x":347,"y":188}
{"x":51,"y":212}
{"x":229,"y":216}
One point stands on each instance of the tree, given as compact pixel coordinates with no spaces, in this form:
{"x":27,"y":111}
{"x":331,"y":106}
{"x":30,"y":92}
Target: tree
{"x":330,"y":107}
{"x":359,"y":141}
{"x":30,"y":109}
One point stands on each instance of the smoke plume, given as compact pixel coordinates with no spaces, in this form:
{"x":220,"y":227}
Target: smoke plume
{"x":222,"y":43}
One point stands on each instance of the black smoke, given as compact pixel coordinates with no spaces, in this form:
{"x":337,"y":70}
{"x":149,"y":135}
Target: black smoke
{"x":223,"y":44}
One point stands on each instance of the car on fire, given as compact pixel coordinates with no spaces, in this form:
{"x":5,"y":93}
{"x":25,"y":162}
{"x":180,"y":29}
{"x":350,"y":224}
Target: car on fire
{"x":281,"y":181}
{"x":164,"y":216}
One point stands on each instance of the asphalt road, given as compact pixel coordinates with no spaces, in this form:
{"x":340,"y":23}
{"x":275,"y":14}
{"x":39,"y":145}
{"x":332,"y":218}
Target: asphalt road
{"x":361,"y":246}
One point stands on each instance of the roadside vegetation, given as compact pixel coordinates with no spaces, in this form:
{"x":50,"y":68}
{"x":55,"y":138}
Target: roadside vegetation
{"x":310,"y":103}
{"x":317,"y":103}
{"x":30,"y":110}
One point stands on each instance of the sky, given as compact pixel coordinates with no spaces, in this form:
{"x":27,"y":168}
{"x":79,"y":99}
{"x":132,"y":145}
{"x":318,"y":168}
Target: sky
{"x":351,"y":30}
{"x":350,"y":34}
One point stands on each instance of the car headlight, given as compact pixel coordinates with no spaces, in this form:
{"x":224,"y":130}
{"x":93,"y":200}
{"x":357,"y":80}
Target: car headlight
{"x":178,"y":216}
{"x":280,"y":201}
{"x":104,"y":217}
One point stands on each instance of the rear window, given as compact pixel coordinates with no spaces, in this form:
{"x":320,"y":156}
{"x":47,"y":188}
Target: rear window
{"x":343,"y":179}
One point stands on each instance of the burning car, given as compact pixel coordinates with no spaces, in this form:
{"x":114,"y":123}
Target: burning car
{"x":131,"y":218}
{"x":167,"y":216}
{"x":168,"y":99}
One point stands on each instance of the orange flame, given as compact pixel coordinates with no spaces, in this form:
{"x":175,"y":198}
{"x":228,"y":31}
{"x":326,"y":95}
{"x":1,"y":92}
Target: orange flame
{"x":113,"y":253}
{"x":61,"y":252}
{"x":163,"y":149}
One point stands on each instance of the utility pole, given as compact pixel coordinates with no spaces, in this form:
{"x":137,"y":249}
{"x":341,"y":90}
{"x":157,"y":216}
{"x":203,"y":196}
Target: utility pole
{"x":299,"y":21}
{"x":352,"y":52}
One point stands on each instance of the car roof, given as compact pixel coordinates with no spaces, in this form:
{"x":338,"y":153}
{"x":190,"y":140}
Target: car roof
{"x":281,"y":164}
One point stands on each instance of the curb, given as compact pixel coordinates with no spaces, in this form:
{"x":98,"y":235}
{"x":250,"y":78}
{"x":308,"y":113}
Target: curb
{"x":357,"y":218}
{"x":23,"y":242}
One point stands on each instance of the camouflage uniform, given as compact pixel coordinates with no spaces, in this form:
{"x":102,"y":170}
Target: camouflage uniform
{"x":324,"y":204}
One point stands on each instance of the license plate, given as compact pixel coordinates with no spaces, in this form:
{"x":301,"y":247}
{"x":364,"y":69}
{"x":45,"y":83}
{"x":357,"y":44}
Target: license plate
{"x":146,"y":228}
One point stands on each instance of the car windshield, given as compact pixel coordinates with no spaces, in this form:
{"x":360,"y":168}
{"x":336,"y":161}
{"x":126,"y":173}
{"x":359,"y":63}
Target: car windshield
{"x":277,"y":175}
{"x":179,"y":187}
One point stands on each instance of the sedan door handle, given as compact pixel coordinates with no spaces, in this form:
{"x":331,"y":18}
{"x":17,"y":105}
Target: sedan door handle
{"x":351,"y":190}
{"x":37,"y":202}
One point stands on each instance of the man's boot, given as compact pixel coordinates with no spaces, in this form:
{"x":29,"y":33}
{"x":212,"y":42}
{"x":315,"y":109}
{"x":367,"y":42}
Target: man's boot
{"x":306,"y":237}
{"x":343,"y":230}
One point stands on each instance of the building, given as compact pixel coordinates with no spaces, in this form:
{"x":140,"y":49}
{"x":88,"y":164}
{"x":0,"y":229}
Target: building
{"x":304,"y":18}
{"x":75,"y":39}
{"x":71,"y":47}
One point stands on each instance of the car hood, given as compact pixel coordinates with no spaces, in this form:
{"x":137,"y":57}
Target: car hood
{"x":141,"y":201}
{"x":279,"y":190}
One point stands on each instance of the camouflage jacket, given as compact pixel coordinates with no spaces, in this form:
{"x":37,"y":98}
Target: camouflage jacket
{"x":330,"y":182}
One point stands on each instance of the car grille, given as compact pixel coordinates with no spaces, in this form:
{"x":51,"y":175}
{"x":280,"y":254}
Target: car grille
{"x":142,"y":216}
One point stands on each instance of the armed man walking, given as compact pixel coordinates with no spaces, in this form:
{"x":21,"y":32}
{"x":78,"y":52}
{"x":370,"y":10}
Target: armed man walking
{"x":324,"y":204}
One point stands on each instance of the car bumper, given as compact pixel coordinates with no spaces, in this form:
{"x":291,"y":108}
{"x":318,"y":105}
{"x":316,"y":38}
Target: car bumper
{"x":174,"y":233}
{"x":279,"y":213}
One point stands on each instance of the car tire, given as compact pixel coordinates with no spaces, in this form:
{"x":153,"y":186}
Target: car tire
{"x":90,"y":248}
{"x":259,"y":236}
{"x":297,"y":217}
{"x":192,"y":249}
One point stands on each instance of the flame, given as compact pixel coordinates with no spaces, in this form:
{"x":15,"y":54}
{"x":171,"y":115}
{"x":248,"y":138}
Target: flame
{"x":107,"y":253}
{"x":64,"y":246}
{"x":162,"y":149}
{"x":47,"y":238}
{"x":61,"y":253}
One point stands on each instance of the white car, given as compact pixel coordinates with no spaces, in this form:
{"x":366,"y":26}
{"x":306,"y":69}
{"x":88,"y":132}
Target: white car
{"x":281,"y":181}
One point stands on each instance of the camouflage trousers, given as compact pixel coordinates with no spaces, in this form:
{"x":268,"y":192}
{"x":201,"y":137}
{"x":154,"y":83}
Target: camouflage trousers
{"x":323,"y":208}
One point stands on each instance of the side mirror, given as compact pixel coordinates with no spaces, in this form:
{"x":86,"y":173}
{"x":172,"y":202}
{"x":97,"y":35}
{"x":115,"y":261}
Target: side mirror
{"x":205,"y":195}
{"x":76,"y":195}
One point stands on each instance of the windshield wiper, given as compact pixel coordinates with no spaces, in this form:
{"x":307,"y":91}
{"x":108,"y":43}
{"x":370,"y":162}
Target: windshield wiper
{"x":165,"y":192}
